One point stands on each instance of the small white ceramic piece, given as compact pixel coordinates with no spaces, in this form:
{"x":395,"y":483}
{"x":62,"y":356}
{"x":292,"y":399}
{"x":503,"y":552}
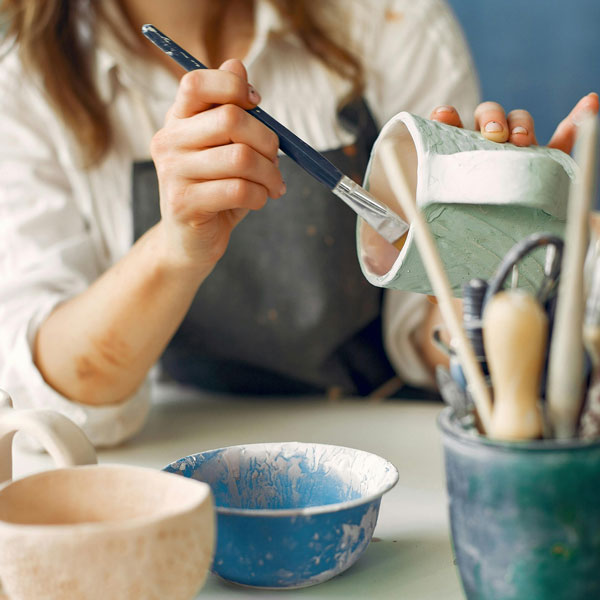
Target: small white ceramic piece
{"x":97,"y":532}
{"x":478,"y":197}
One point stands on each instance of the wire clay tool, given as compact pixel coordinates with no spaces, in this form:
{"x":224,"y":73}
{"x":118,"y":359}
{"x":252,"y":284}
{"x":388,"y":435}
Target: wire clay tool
{"x":515,"y":332}
{"x":387,"y":223}
{"x":565,"y":387}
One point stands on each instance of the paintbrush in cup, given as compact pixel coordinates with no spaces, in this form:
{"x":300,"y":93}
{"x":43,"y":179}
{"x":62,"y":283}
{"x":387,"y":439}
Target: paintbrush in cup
{"x":439,"y":282}
{"x":565,"y":386}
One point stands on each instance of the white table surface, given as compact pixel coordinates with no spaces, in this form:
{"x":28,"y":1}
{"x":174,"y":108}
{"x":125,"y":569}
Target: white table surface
{"x":410,"y":556}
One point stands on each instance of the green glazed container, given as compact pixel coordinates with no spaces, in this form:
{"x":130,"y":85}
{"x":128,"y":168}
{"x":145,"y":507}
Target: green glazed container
{"x":525,"y":516}
{"x":479,"y":198}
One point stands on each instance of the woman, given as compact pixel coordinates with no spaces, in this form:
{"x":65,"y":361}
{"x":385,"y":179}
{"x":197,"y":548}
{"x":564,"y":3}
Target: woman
{"x":98,"y":282}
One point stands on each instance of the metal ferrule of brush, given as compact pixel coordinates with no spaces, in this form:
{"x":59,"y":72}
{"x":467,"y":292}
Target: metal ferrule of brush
{"x":386,"y":222}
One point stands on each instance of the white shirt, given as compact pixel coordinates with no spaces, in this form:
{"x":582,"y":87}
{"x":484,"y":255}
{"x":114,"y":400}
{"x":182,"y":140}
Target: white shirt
{"x":61,"y":227}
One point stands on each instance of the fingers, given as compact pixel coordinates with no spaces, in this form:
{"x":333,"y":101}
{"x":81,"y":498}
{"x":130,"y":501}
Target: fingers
{"x":237,"y":67}
{"x":447,"y":115}
{"x":521,"y":128}
{"x":201,"y":89}
{"x":564,"y":136}
{"x":224,"y":125}
{"x":517,"y":128}
{"x":206,"y":198}
{"x":490,"y":119}
{"x":232,"y":161}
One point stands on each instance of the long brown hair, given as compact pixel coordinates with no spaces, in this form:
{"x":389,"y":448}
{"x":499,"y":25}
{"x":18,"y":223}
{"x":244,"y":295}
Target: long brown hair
{"x":49,"y":37}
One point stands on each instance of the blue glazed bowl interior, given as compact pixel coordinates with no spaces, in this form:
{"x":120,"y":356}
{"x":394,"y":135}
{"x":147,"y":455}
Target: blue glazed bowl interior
{"x":288,"y":476}
{"x":290,"y":514}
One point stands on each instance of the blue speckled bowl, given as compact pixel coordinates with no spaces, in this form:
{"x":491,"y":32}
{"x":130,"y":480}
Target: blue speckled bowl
{"x":290,"y":514}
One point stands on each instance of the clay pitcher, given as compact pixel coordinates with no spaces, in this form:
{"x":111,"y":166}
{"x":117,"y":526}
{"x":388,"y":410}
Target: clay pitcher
{"x":478,"y":197}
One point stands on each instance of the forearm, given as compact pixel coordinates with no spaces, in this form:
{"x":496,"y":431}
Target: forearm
{"x":98,"y":347}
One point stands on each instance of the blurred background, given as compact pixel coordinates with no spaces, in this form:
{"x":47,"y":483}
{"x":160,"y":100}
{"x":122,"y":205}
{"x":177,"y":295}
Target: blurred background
{"x":542,"y":55}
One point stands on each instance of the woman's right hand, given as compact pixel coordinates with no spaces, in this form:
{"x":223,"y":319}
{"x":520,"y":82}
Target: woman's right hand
{"x":214,"y":161}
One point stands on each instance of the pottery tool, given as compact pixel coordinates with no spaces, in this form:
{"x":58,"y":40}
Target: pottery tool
{"x":386,"y":222}
{"x":473,"y":296}
{"x":589,"y":426}
{"x":545,"y":293}
{"x":452,"y":394}
{"x":565,"y":369}
{"x":439,"y":283}
{"x":517,"y":253}
{"x":515,"y":329}
{"x":454,"y":369}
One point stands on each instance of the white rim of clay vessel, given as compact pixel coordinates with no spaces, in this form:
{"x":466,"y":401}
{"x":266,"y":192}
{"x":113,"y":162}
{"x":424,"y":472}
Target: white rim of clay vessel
{"x":197,"y":496}
{"x":391,"y":481}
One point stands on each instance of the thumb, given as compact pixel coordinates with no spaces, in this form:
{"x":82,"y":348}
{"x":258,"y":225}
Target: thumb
{"x":236,"y":66}
{"x":233,"y":65}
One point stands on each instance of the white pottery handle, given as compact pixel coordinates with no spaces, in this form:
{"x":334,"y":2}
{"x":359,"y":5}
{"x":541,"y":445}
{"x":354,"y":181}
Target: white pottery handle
{"x":60,"y":437}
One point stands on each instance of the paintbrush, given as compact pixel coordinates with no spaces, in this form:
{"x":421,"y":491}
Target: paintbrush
{"x":439,"y":282}
{"x":386,"y":222}
{"x":565,"y":387}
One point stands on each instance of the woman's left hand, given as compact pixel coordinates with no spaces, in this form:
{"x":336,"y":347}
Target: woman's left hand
{"x":517,"y":127}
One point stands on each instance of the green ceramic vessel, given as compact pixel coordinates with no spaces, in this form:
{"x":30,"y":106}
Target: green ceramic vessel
{"x":478,"y":197}
{"x":525,"y":517}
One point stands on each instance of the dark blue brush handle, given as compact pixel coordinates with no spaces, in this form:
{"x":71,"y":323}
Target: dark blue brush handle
{"x":308,"y":158}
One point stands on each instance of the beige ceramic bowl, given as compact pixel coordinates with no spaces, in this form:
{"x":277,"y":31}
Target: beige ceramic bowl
{"x":105,"y":533}
{"x":111,"y":532}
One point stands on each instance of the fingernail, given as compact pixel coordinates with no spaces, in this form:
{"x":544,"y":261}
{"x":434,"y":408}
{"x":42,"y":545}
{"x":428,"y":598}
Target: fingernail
{"x":578,"y":118}
{"x":519,"y":130}
{"x":282,"y":189}
{"x":493,"y":127}
{"x":444,"y":109}
{"x":253,"y":95}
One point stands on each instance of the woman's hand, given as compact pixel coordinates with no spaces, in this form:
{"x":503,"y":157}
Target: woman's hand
{"x":214,"y":161}
{"x":517,"y":127}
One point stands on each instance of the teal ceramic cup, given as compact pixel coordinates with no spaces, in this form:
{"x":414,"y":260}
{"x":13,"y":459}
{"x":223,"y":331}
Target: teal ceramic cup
{"x":478,"y":197}
{"x":525,"y":516}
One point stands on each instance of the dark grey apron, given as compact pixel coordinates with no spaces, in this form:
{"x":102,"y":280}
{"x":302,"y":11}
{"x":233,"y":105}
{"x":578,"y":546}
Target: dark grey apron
{"x":287,"y":309}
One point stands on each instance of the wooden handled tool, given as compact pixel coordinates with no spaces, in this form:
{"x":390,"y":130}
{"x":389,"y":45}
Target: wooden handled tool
{"x":439,"y":283}
{"x":515,"y":330}
{"x":565,"y":369}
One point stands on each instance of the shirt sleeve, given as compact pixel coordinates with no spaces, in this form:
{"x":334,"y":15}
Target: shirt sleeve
{"x":420,"y":60}
{"x":46,"y":256}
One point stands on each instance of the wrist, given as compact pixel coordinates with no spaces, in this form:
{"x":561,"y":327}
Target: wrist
{"x":171,"y":257}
